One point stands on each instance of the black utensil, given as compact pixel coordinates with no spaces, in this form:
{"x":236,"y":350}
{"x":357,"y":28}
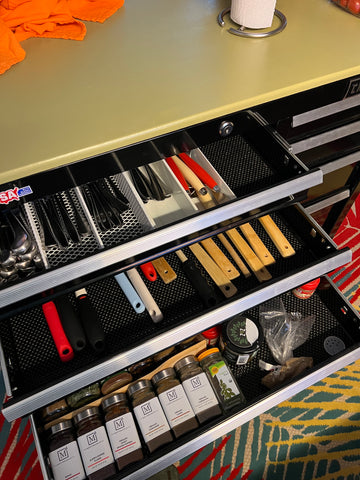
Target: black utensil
{"x":117,"y":192}
{"x":71,"y":323}
{"x":90,"y":321}
{"x":81,"y":225}
{"x":49,"y":237}
{"x":69,"y":226}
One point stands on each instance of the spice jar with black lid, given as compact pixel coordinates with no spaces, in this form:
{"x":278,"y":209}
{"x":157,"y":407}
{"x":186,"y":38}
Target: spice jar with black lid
{"x":221,"y":378}
{"x":64,"y":453}
{"x":240,"y":339}
{"x":94,"y":444}
{"x":149,"y":415}
{"x":121,"y":429}
{"x":174,"y":401}
{"x":197,"y":388}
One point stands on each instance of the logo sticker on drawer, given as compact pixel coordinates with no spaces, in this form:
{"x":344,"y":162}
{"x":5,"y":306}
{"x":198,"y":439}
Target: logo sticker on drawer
{"x":353,"y":88}
{"x":15,"y":193}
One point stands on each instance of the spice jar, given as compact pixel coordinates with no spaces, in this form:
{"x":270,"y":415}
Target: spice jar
{"x":121,"y":429}
{"x":113,"y":382}
{"x":85,"y":395}
{"x":174,"y":401}
{"x":149,"y":415}
{"x":240,"y":339}
{"x":94,"y":444}
{"x":55,"y":410}
{"x":64,"y":453}
{"x":221,"y":378}
{"x":305,"y":291}
{"x":211,"y":335}
{"x":197,"y":388}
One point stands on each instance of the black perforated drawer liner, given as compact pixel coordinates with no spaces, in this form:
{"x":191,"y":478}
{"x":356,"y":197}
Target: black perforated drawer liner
{"x":240,"y":165}
{"x":30,"y":351}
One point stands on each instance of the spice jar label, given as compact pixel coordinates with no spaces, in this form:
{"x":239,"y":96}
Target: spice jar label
{"x":66,"y":463}
{"x":95,"y":450}
{"x":151,"y":419}
{"x":224,"y":383}
{"x":200,"y":393}
{"x":123,"y":435}
{"x":176,"y":406}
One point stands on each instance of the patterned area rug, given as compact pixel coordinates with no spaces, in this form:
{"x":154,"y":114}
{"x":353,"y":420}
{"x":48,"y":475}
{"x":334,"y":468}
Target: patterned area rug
{"x":314,"y":435}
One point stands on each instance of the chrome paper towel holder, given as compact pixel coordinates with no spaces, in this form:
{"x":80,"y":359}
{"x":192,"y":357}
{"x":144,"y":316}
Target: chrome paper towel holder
{"x":241,"y":30}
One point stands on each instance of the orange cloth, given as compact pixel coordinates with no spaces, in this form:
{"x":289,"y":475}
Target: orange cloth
{"x":10,"y":49}
{"x":94,"y":10}
{"x":22,"y":19}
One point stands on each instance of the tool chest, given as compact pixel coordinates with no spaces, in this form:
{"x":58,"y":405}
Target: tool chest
{"x":257,"y":176}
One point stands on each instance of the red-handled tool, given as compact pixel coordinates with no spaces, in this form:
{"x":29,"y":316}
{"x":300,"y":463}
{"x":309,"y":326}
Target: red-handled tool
{"x":176,"y":171}
{"x":149,"y":271}
{"x":61,"y":341}
{"x":202,"y":174}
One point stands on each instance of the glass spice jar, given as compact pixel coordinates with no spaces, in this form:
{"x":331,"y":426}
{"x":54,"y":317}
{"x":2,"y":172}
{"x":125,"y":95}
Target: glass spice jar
{"x":121,"y":429}
{"x":149,"y":415}
{"x":211,"y":336}
{"x":94,"y":444}
{"x":221,"y":378}
{"x":174,"y":401}
{"x":240,"y":339}
{"x":83,"y":396}
{"x":64,"y":453}
{"x":54,"y":411}
{"x":197,"y":388}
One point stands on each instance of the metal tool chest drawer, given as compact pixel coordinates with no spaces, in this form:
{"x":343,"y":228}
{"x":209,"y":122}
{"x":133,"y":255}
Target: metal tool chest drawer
{"x":257,"y":176}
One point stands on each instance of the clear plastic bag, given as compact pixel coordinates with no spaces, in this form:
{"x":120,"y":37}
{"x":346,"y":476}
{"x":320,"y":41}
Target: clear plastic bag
{"x":283,"y":332}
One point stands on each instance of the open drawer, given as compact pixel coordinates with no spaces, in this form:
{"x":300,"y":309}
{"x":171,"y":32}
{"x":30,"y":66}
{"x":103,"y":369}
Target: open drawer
{"x":36,"y":376}
{"x":334,"y":319}
{"x":247,"y":159}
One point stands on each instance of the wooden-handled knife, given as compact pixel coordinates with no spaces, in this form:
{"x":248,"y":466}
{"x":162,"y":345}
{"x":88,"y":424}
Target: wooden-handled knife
{"x":260,"y":271}
{"x":257,"y":245}
{"x":280,"y":241}
{"x":214,"y":271}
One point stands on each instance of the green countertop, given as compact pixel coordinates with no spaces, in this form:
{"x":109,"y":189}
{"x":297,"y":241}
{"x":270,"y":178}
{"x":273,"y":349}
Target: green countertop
{"x":156,"y":66}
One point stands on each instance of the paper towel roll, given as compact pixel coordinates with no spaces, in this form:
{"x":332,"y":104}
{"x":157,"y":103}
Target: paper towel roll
{"x":253,"y":13}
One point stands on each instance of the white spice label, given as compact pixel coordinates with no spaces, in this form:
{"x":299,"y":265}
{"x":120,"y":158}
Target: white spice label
{"x":66,"y":463}
{"x":200,"y":393}
{"x":176,"y":406}
{"x":95,"y":450}
{"x":123,"y":435}
{"x":151,"y":419}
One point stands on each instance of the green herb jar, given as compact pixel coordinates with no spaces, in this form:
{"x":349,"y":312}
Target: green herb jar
{"x":240,"y":339}
{"x":221,"y":378}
